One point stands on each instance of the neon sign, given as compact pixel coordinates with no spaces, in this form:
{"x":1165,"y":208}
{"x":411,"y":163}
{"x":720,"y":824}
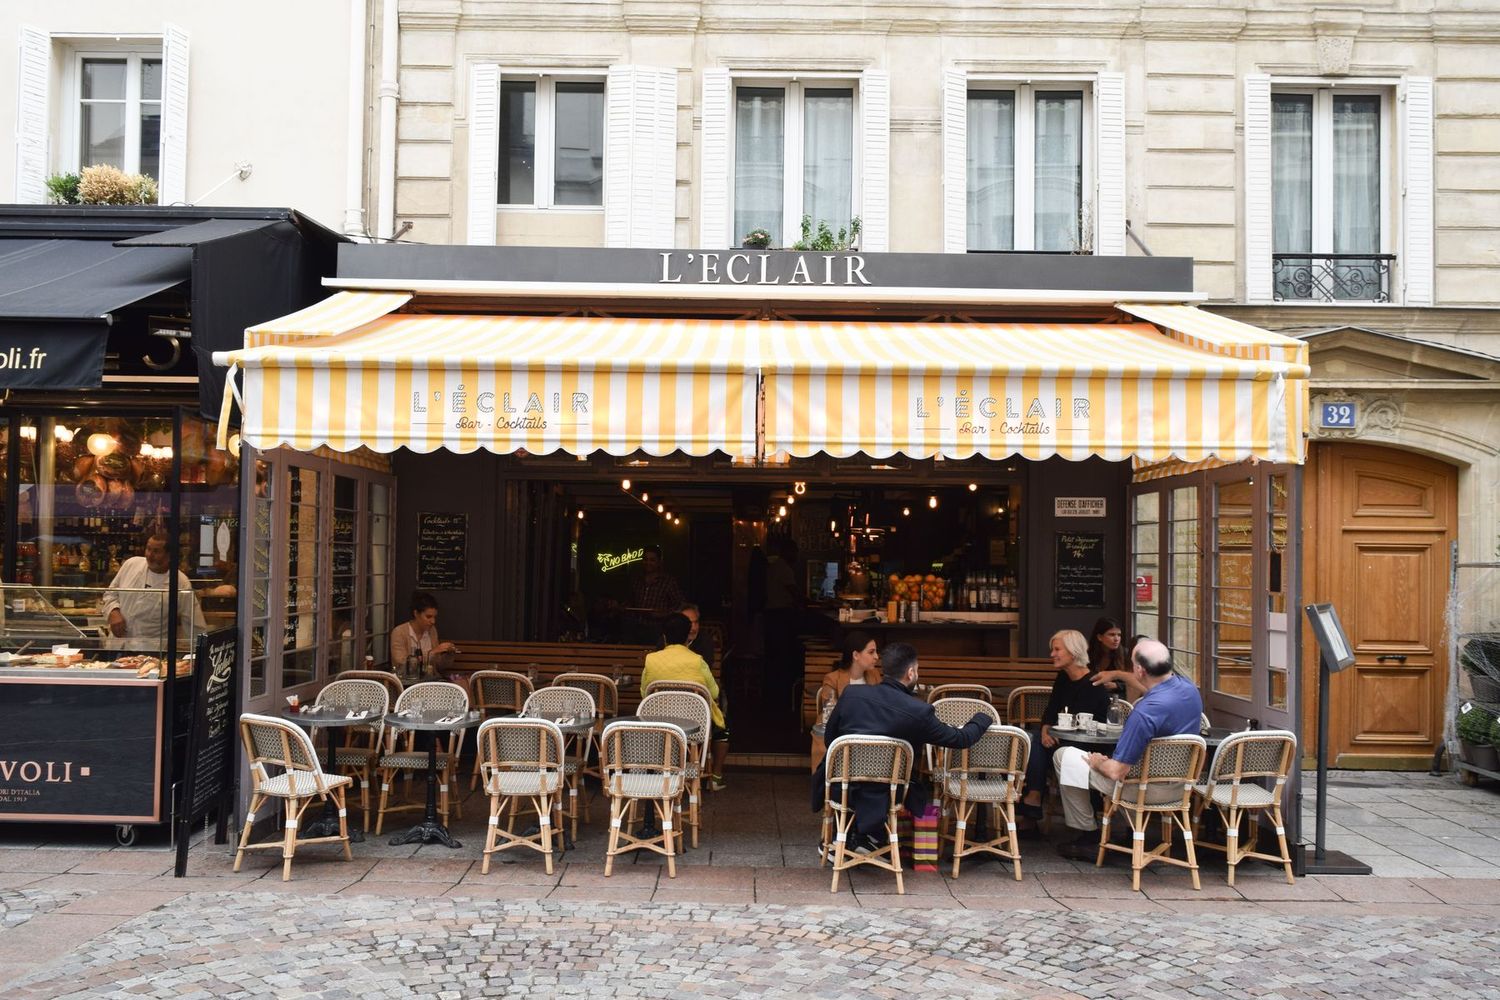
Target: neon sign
{"x":608,"y":561}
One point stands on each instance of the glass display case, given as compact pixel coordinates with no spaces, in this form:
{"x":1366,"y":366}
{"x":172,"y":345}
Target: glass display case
{"x":96,"y":629}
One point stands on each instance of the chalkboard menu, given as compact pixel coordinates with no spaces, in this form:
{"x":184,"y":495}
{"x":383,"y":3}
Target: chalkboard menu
{"x":1080,"y":570}
{"x":442,"y":551}
{"x":211,"y":735}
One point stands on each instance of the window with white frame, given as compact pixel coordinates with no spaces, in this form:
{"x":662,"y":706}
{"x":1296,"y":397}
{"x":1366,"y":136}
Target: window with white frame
{"x":1330,"y":180}
{"x":1028,"y":167}
{"x":794,"y":156}
{"x":118,"y":111}
{"x":551,"y":142}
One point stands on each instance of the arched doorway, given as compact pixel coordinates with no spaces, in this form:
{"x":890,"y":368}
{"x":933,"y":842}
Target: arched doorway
{"x":1381,"y":524}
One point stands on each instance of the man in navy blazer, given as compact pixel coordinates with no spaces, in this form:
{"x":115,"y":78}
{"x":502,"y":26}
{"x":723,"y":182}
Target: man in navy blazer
{"x":890,"y":709}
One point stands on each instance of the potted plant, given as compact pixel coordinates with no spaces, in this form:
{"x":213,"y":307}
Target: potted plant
{"x":756,"y":239}
{"x":1480,"y":659}
{"x":1495,"y":735}
{"x":1474,"y":736}
{"x":824,"y":238}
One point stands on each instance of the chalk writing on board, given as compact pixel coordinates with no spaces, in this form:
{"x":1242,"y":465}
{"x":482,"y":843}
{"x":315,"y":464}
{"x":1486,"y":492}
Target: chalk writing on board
{"x":442,"y":551}
{"x":1079,"y":579}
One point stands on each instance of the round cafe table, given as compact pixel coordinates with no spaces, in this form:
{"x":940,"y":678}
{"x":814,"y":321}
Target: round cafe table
{"x":1105,"y":743}
{"x":430,"y":830}
{"x":335,"y":721}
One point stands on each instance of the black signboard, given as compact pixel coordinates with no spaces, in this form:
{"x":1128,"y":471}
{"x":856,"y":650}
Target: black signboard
{"x":81,"y":748}
{"x":212,"y":732}
{"x":442,"y":551}
{"x":1080,"y":570}
{"x":1333,"y":642}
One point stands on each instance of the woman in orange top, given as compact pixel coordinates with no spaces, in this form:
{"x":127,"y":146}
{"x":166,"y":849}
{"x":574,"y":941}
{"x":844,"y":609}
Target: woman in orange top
{"x":859,"y":659}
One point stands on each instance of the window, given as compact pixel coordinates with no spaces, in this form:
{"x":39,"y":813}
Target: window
{"x":1028,"y":152}
{"x":1329,"y":195}
{"x":119,"y":112}
{"x":793,"y":157}
{"x":551,"y":142}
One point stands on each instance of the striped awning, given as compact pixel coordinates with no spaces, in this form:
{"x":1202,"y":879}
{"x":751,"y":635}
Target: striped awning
{"x":757,"y":388}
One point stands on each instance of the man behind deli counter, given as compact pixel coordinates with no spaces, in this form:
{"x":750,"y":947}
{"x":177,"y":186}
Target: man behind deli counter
{"x":135,"y":604}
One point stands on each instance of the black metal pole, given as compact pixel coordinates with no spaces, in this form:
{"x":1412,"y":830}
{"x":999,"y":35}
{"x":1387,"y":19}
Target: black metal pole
{"x":169,"y":668}
{"x":1319,"y":852}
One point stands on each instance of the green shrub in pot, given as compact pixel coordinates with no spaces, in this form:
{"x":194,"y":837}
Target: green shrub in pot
{"x":1495,"y":732}
{"x":1474,"y":727}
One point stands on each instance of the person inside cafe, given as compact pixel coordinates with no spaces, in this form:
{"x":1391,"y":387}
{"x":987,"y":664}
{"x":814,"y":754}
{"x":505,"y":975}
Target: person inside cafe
{"x":1073,"y":692}
{"x":890,"y":709}
{"x":1171,"y":706}
{"x":780,"y":614}
{"x":654,"y":589}
{"x":676,"y":662}
{"x":418,"y":636}
{"x":700,"y":640}
{"x":135,"y":603}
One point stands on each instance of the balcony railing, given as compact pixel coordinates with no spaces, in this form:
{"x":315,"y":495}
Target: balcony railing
{"x":1332,"y":277}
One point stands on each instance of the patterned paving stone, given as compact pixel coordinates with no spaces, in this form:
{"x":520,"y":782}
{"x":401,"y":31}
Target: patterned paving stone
{"x":19,"y":905}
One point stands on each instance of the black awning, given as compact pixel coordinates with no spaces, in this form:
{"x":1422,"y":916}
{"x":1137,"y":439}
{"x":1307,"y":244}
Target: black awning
{"x":57,"y":300}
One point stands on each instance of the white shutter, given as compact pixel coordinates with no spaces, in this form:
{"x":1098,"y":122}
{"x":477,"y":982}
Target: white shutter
{"x":955,"y":161}
{"x":1109,"y":203}
{"x":640,"y":157}
{"x":875,"y":160}
{"x":172,"y":189}
{"x":34,"y":70}
{"x":484,"y":153}
{"x":713,"y":182}
{"x":1417,"y":185}
{"x":1258,"y":232}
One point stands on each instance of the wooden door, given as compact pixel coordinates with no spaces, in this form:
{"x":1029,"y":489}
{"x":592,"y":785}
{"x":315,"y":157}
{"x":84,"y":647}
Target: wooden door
{"x":1383,"y":530}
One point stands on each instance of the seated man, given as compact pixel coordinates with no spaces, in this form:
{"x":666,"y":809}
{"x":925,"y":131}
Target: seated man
{"x":676,"y":661}
{"x":890,"y":709}
{"x":1171,"y":706}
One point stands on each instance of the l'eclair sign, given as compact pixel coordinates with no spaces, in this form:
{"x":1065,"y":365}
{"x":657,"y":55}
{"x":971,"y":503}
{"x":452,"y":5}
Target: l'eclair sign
{"x":761,"y":267}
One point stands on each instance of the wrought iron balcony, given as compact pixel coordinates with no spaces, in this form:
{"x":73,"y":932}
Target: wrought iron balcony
{"x":1332,"y":277}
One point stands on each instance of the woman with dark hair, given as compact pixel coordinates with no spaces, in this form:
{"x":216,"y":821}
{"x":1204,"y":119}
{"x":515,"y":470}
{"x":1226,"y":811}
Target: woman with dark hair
{"x":1073,"y":691}
{"x":859,"y":664}
{"x":1104,"y":646}
{"x":418,"y":635}
{"x":1124,"y":676}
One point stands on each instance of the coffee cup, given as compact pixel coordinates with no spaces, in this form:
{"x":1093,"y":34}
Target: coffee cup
{"x":1085,"y":721}
{"x":1064,"y":720}
{"x":294,"y":702}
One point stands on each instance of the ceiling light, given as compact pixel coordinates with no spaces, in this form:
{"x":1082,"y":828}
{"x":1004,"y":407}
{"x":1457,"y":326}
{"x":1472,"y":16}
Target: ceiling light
{"x":799,"y":487}
{"x":790,"y":500}
{"x":973,"y":487}
{"x":932,"y":501}
{"x":645,"y":497}
{"x":98,"y":444}
{"x":661,"y":508}
{"x":580,"y":513}
{"x":624,"y":484}
{"x":906,"y":512}
{"x":781,"y":511}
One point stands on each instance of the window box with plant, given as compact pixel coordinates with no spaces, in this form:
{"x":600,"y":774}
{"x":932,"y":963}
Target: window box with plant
{"x":101,"y":185}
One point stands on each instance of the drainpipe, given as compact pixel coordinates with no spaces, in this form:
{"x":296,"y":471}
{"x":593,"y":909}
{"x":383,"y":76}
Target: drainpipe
{"x":389,"y":40}
{"x":354,"y":167}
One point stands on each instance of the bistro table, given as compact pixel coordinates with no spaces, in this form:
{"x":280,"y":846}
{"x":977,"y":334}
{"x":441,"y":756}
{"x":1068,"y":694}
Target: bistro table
{"x":335,"y":720}
{"x":1105,"y":742}
{"x":430,"y":830}
{"x":693,"y":730}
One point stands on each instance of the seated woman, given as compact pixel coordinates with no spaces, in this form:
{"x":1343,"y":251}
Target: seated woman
{"x":1110,"y":675}
{"x":1073,"y":691}
{"x":860,"y":660}
{"x":676,"y":662}
{"x":419,"y":636}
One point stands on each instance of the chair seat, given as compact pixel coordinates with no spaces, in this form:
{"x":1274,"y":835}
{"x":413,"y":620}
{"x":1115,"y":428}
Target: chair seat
{"x":411,"y":759}
{"x":353,"y":756}
{"x":981,"y":790}
{"x":1250,"y":796}
{"x":644,"y":786}
{"x":1159,"y":797}
{"x":523,"y":783}
{"x":299,"y":784}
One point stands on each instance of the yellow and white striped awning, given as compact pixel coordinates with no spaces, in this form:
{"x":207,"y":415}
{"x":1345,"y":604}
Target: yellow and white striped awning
{"x":755,"y":388}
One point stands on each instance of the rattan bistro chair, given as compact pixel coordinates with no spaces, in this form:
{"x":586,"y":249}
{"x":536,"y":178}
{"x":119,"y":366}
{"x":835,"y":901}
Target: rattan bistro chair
{"x":523,"y":762}
{"x":1234,"y":788}
{"x":989,"y":773}
{"x":1161,"y":784}
{"x":686,"y":705}
{"x":956,"y":712}
{"x":272,"y":745}
{"x":606,"y":694}
{"x":863,"y":760}
{"x":495,"y":692}
{"x":1025,"y":705}
{"x":978,"y":691}
{"x":643,"y":762}
{"x":360,"y":749}
{"x":665,"y":685}
{"x":392,"y":683}
{"x":402,"y":756}
{"x":564,"y":702}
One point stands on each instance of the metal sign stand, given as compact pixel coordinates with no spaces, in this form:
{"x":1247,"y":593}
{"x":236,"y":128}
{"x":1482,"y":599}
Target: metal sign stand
{"x":1334,"y":654}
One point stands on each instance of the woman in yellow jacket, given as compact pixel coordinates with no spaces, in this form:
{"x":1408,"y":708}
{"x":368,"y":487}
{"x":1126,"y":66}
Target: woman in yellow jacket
{"x":676,"y":662}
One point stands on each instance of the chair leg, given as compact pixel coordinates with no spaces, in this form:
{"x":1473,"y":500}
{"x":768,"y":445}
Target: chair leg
{"x":1109,"y":813}
{"x":544,"y":828}
{"x":491,"y":835}
{"x":1011,"y":839}
{"x":895,"y":842}
{"x":1232,"y":850}
{"x":960,"y":828}
{"x":385,"y":795}
{"x":1286,"y":856}
{"x":364,"y":798}
{"x":613,"y":848}
{"x":1192,"y":853}
{"x":256,"y":801}
{"x":289,"y":838}
{"x":840,"y":837}
{"x":669,"y":833}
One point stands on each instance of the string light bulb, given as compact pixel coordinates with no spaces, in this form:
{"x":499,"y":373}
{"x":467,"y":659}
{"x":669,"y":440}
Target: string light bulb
{"x":645,"y":497}
{"x":661,"y":508}
{"x":790,"y":500}
{"x":781,"y":511}
{"x":799,"y":487}
{"x":932,"y":501}
{"x":580,"y":513}
{"x":906,"y":512}
{"x":973,"y":487}
{"x":625,"y":484}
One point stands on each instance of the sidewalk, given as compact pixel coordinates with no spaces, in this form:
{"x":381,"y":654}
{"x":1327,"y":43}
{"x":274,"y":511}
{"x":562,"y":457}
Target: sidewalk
{"x":66,"y":908}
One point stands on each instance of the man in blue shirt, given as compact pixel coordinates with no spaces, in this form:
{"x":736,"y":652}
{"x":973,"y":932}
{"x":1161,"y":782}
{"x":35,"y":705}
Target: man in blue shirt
{"x":1171,"y":706}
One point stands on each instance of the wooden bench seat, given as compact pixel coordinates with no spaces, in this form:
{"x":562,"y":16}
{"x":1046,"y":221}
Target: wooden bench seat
{"x":1000,"y":673}
{"x":553,"y":658}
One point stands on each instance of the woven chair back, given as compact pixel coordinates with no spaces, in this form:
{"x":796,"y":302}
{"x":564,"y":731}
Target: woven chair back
{"x":691,"y":686}
{"x":434,"y":696}
{"x":1126,"y":707}
{"x":878,"y":759}
{"x":681,"y":705}
{"x":978,"y":691}
{"x":499,"y":690}
{"x":957,"y":711}
{"x":273,"y":744}
{"x":642,"y":748}
{"x":1002,"y":750}
{"x":1026,"y":704}
{"x":560,"y":701}
{"x":356,"y":695}
{"x":1253,"y":755}
{"x":604,"y":691}
{"x":1164,"y":776}
{"x":521,"y":745}
{"x":392,"y":683}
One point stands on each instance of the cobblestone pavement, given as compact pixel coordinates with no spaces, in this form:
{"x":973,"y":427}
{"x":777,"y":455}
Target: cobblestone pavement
{"x":750,"y":914}
{"x":264,"y":944}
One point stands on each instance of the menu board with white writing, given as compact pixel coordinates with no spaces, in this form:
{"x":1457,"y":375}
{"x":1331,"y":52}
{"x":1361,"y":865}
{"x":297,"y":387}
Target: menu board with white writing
{"x":1079,"y":581}
{"x":442,"y":551}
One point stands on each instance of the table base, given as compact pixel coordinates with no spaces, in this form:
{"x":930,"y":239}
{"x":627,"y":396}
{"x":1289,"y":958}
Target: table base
{"x":328,"y":826}
{"x":426,"y":832}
